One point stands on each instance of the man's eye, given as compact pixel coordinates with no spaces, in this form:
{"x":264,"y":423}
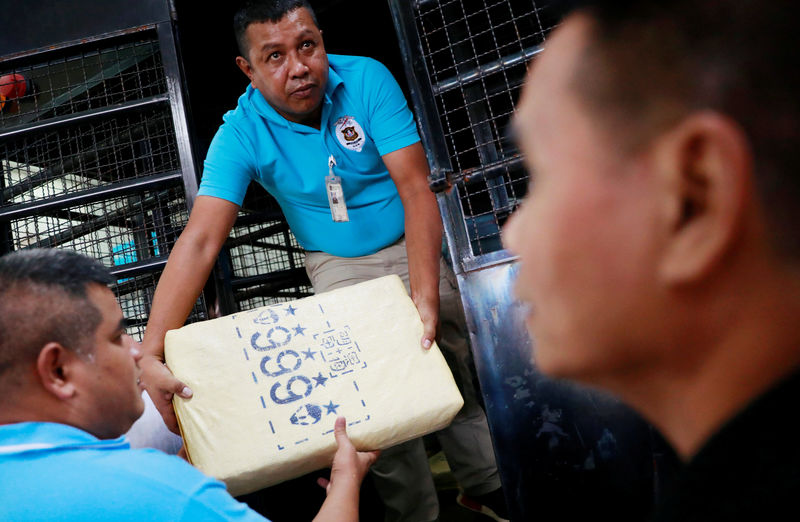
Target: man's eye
{"x":307,"y":44}
{"x":275,"y":55}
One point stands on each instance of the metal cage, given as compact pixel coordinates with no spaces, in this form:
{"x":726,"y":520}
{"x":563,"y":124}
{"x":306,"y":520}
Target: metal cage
{"x":468,"y":62}
{"x":563,"y":451}
{"x":265,"y":264}
{"x":92,"y":157}
{"x":98,"y":156}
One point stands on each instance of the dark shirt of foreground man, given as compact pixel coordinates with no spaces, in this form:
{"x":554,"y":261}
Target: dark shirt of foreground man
{"x":659,"y":245}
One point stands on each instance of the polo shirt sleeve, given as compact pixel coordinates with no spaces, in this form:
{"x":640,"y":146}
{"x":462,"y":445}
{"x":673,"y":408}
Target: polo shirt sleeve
{"x":392,"y":125}
{"x":228,"y":167}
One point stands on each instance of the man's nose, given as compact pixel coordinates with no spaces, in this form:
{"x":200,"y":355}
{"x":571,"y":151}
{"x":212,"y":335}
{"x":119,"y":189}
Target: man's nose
{"x":136,"y":350}
{"x":297,"y":66}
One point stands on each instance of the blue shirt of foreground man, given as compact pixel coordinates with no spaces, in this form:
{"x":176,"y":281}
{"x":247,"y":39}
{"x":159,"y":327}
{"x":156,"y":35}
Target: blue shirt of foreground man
{"x":660,"y":244}
{"x":69,"y":377}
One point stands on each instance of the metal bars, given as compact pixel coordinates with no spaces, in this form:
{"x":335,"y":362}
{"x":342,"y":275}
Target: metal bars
{"x":476,"y":54}
{"x":266,"y":262}
{"x":93,"y":76}
{"x":92,"y":160}
{"x":42,"y":165}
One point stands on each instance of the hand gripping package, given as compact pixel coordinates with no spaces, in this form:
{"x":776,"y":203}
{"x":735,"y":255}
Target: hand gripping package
{"x":270,"y":382}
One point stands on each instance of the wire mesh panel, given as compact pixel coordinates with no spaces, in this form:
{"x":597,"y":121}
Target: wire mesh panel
{"x":476,"y":54}
{"x":89,"y":161}
{"x":135,"y":296}
{"x":70,"y":159}
{"x":115,"y":231}
{"x":95,"y":75}
{"x":266,"y":260}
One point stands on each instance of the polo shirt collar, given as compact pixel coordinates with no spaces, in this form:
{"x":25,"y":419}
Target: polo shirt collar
{"x":23,"y":437}
{"x":262,"y":107}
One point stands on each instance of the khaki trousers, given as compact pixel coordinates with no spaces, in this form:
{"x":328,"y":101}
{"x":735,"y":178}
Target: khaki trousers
{"x":402,"y":474}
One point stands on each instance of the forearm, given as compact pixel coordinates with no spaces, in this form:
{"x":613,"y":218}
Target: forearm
{"x":183,"y":279}
{"x":423,"y":242}
{"x":341,"y":505}
{"x":423,"y":226}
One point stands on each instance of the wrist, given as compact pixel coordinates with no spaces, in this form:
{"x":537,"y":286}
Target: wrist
{"x":150,"y":361}
{"x":424,"y":297}
{"x":346,"y":486}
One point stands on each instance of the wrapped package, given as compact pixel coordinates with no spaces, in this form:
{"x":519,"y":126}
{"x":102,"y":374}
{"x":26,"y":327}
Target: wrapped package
{"x":269,"y":383}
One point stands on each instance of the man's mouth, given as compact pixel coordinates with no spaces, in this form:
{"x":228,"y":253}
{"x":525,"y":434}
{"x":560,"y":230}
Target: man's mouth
{"x":303,"y":91}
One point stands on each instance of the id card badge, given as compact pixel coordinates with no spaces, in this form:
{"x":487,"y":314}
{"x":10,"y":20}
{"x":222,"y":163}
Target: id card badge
{"x":333,"y":185}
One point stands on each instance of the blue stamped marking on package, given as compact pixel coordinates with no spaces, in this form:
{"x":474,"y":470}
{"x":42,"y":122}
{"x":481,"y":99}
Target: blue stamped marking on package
{"x":340,"y":351}
{"x":290,"y":362}
{"x":306,"y":415}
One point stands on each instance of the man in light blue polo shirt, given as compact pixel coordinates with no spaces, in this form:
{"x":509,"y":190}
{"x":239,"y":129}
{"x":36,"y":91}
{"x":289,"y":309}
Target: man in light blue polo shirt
{"x":291,"y":160}
{"x":69,"y":378}
{"x":332,"y":139}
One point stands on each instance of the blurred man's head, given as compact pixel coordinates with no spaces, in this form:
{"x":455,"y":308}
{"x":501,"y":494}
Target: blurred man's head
{"x":660,"y":139}
{"x":64,"y":353}
{"x":283,"y":56}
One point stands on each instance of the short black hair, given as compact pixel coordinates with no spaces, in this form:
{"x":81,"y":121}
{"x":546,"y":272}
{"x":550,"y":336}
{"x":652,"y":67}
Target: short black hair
{"x":258,"y":11}
{"x":651,"y":62}
{"x":44,"y":298}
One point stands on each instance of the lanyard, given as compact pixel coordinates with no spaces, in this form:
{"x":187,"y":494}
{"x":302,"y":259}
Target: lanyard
{"x":333,"y":186}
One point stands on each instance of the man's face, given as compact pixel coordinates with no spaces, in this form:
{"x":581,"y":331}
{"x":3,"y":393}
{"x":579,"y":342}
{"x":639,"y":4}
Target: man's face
{"x":584,"y":235}
{"x":287,"y":63}
{"x":111,"y":372}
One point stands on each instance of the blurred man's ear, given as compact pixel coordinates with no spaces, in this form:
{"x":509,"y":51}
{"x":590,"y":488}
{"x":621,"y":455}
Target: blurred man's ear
{"x":55,"y":367}
{"x":705,"y":163}
{"x":244,"y":66}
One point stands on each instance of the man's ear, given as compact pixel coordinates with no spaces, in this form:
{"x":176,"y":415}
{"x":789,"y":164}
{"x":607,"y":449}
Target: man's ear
{"x":55,"y":367}
{"x":244,"y":65}
{"x":706,"y":164}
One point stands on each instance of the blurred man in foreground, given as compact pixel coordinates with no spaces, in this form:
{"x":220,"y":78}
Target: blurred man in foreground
{"x":659,"y":246}
{"x":69,"y":378}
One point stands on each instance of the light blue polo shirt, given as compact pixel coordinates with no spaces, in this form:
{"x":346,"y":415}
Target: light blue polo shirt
{"x":364,"y":116}
{"x":56,"y":472}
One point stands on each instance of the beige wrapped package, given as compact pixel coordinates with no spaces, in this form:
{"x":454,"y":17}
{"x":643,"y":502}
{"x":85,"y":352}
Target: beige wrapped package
{"x":269,"y":383}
